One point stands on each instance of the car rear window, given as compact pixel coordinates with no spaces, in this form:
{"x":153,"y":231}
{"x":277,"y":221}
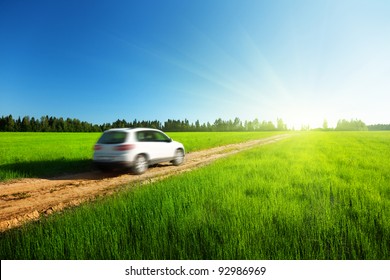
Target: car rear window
{"x":113,"y":137}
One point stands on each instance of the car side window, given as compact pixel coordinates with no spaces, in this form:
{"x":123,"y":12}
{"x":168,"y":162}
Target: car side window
{"x":159,"y":137}
{"x":141,"y":136}
{"x":151,"y":136}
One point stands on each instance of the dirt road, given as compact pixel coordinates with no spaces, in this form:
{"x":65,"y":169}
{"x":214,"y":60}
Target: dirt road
{"x":27,"y":199}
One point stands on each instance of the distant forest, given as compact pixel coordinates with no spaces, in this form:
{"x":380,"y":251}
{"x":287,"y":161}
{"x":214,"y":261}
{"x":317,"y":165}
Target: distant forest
{"x":53,"y":124}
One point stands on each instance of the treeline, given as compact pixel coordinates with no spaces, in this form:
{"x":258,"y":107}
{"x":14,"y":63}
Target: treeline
{"x":224,"y":125}
{"x":352,"y":125}
{"x":53,"y":124}
{"x":358,"y":125}
{"x":379,"y":127}
{"x":45,"y":124}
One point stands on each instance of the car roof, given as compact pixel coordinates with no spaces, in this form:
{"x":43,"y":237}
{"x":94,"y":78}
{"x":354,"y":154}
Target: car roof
{"x":132,"y":129}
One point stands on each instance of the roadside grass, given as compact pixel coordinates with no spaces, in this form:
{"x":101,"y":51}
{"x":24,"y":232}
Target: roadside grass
{"x":314,"y":196}
{"x":49,"y":154}
{"x":195,"y":141}
{"x":44,"y":154}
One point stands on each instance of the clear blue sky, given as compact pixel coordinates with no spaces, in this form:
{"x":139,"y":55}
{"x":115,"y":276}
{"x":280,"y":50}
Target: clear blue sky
{"x":99,"y":61}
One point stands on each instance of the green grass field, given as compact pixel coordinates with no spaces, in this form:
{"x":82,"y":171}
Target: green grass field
{"x":44,"y":154}
{"x":318,"y":195}
{"x":49,"y":154}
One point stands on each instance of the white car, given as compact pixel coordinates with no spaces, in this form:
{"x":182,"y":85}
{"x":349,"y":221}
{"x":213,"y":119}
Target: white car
{"x":136,"y":148}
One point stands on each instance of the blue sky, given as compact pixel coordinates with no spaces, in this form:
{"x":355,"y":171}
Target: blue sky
{"x":99,"y":61}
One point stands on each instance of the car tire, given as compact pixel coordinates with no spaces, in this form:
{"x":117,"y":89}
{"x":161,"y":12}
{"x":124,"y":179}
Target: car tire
{"x":140,"y":164}
{"x":179,"y":157}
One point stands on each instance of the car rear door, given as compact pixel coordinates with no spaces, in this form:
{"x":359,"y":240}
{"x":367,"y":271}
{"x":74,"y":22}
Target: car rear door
{"x":155,"y":144}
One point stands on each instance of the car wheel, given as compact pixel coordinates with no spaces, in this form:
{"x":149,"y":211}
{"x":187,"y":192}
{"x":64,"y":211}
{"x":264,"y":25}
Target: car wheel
{"x":140,"y":165}
{"x":179,"y":157}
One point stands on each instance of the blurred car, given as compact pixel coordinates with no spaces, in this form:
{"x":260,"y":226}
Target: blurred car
{"x":136,"y":148}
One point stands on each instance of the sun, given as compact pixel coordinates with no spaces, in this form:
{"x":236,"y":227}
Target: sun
{"x":303,"y":118}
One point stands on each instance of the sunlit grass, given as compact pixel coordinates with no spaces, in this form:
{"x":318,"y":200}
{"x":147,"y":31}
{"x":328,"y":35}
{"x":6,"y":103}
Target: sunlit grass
{"x":44,"y":154}
{"x":194,"y":141}
{"x":313,"y":196}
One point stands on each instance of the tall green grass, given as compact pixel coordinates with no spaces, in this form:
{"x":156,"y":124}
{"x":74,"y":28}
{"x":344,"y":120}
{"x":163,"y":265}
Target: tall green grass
{"x":44,"y":154}
{"x":195,"y":141}
{"x":48,"y":154}
{"x":313,"y":196}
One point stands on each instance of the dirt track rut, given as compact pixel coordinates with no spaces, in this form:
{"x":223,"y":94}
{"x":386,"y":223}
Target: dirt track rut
{"x":27,"y":199}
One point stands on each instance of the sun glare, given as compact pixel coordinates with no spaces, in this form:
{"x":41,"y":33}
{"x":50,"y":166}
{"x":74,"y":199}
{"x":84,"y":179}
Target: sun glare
{"x":298,"y":119}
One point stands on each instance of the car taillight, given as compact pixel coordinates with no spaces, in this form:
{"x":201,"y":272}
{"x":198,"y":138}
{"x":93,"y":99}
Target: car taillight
{"x":124,"y":147}
{"x":97,"y":147}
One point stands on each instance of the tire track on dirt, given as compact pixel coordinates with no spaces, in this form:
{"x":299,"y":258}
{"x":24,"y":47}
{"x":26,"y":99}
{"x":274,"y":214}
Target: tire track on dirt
{"x":28,"y":199}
